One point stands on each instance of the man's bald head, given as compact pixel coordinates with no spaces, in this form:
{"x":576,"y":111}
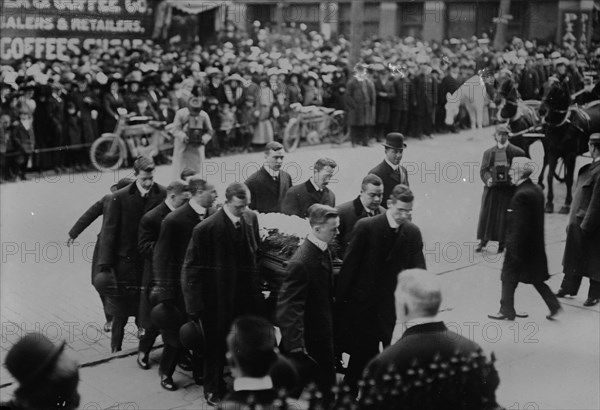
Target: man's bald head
{"x":418,"y":294}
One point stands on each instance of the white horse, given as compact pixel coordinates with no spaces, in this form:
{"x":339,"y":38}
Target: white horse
{"x":473,"y":96}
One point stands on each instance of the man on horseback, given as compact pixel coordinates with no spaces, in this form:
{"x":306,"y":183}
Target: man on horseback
{"x":582,"y":256}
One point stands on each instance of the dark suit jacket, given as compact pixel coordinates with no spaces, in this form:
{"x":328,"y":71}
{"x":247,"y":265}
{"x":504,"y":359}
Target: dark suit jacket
{"x":219,"y":278}
{"x":121,"y":223}
{"x":300,"y":197}
{"x":238,"y":400}
{"x":266,"y":196}
{"x":350,"y":212}
{"x":390,"y":179}
{"x":367,"y":280}
{"x":525,"y":259}
{"x":423,"y":343}
{"x":305,"y":303}
{"x":168,"y":118}
{"x":94,"y":212}
{"x":147,"y":237}
{"x":169,"y":252}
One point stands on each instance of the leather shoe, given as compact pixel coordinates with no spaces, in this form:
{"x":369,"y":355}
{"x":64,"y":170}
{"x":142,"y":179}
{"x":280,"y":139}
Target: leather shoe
{"x":562,"y":293}
{"x":501,"y":316}
{"x":167,"y":383}
{"x":142,"y":361}
{"x":108,"y":327}
{"x":522,"y":315}
{"x":480,"y":247}
{"x":212,"y":399}
{"x":554,"y":313}
{"x":591,"y":302}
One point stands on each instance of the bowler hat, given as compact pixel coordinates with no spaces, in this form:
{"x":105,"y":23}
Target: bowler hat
{"x":191,"y":335}
{"x":166,"y":316}
{"x":394,"y":140}
{"x":122,"y":183}
{"x":31,"y":357}
{"x":595,"y":137}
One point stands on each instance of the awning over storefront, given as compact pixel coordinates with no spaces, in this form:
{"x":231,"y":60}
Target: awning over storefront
{"x":197,"y":6}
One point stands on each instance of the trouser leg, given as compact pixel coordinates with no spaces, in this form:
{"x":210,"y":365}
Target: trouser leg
{"x":507,"y":302}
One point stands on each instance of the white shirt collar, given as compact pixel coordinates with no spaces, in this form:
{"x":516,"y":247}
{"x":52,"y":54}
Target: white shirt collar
{"x":394,"y":167}
{"x":393,"y":224}
{"x":171,"y":207}
{"x":501,"y":146}
{"x":319,"y":243}
{"x":252,"y":383}
{"x":234,"y":219}
{"x":274,"y":174}
{"x":401,"y":327}
{"x":312,"y":180}
{"x":140,"y":188}
{"x":200,"y":210}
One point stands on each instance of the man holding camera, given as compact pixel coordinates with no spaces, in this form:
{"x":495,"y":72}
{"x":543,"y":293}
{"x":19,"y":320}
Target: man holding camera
{"x":192,"y":130}
{"x":498,"y":188}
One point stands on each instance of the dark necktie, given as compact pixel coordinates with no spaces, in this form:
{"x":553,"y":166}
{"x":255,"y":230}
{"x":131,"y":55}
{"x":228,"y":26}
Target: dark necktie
{"x":201,"y":216}
{"x":276,"y":179}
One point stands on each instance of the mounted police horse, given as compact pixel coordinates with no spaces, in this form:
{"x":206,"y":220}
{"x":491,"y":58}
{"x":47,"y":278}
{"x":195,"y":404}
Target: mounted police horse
{"x":567,"y":131}
{"x":521,"y":117}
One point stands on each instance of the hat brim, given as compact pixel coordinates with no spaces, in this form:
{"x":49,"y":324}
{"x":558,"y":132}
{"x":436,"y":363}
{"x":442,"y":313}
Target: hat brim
{"x":395,"y":147}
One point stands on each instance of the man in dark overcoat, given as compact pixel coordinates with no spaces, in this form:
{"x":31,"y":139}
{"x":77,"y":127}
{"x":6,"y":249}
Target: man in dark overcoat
{"x":498,"y":188}
{"x":220,"y":279}
{"x":367,"y":203}
{"x":385,"y":92}
{"x":389,"y":170}
{"x":424,"y":101}
{"x":449,"y":84}
{"x":314,"y":191}
{"x":169,"y":255}
{"x":525,"y":260}
{"x":420,"y":340}
{"x":380,"y":247}
{"x":177,"y":195}
{"x":270,"y":183}
{"x":582,"y":250}
{"x":401,"y":104}
{"x":305,"y":304}
{"x":360,"y":103}
{"x":118,"y":250}
{"x":94,"y":212}
{"x":88,"y":107}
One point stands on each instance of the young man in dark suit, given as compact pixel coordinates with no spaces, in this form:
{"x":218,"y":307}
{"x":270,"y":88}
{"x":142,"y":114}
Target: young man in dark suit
{"x":169,"y":255}
{"x":314,"y":191}
{"x":419,"y":336}
{"x":368,"y":203}
{"x":118,"y":250}
{"x":177,"y":195}
{"x":390,"y":170}
{"x":220,"y":279}
{"x":525,"y":260}
{"x":305,"y":303}
{"x":270,"y":183}
{"x":94,"y":212}
{"x":380,"y":247}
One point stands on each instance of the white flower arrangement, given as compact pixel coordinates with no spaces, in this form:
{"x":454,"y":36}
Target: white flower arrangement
{"x":282,"y":233}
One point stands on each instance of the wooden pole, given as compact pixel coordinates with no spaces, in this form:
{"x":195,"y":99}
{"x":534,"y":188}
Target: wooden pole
{"x":357,"y":16}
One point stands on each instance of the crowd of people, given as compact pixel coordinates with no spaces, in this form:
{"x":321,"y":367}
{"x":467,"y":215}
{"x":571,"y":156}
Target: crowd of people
{"x":52,"y":111}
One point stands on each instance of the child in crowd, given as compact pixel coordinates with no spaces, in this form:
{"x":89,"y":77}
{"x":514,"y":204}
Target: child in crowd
{"x":247,"y":117}
{"x":226,"y":124}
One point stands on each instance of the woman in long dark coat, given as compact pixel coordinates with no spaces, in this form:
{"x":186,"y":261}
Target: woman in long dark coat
{"x":498,"y":188}
{"x":384,"y":88}
{"x":111,"y":102}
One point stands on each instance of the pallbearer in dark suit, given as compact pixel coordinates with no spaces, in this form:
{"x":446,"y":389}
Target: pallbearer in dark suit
{"x":169,"y":255}
{"x":368,"y":203}
{"x":305,"y":304}
{"x":220,"y":279}
{"x":270,"y":183}
{"x":118,"y":250}
{"x":98,"y":209}
{"x":177,"y":195}
{"x":390,"y":170}
{"x":314,"y":191}
{"x":380,"y":247}
{"x":582,"y":257}
{"x":525,"y":260}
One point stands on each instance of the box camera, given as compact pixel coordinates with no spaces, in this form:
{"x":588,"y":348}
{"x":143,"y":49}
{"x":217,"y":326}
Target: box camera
{"x":500,"y":175}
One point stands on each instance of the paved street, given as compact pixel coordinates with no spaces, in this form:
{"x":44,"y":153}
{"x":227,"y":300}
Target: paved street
{"x":45,"y":286}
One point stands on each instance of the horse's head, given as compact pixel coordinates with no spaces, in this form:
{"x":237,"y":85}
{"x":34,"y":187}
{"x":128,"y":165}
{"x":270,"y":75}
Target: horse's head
{"x":555,"y":105}
{"x":452,"y":106}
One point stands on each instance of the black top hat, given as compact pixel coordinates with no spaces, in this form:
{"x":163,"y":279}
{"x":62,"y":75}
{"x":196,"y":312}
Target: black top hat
{"x":191,"y":335}
{"x":394,"y":140}
{"x":31,"y":357}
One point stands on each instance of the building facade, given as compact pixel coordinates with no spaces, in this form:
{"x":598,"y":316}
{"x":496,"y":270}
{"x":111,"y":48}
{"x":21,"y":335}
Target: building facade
{"x":545,"y":20}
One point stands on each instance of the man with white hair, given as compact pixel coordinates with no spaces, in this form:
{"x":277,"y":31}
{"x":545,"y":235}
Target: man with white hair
{"x":421,"y":339}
